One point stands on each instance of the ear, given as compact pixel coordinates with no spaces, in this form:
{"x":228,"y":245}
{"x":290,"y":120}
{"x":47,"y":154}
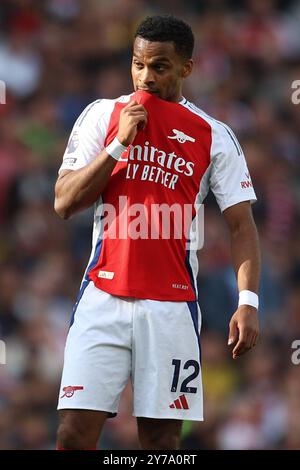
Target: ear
{"x":187,"y":68}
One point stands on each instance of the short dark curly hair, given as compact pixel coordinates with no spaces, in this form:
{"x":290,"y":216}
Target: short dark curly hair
{"x":168,"y":28}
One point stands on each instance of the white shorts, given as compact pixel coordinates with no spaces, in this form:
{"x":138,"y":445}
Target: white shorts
{"x":155,"y":343}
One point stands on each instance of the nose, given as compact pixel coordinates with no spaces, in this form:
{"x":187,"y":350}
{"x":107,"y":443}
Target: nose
{"x":146,"y":76}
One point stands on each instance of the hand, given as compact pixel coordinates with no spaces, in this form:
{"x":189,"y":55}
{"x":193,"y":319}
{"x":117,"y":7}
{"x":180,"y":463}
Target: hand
{"x":243,"y":330}
{"x":132,"y":118}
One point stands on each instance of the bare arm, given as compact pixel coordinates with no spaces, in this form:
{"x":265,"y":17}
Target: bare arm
{"x":246,"y":260}
{"x":76,"y":190}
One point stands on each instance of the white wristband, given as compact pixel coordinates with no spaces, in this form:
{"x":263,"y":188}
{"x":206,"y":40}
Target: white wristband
{"x":246,"y":297}
{"x":115,"y":149}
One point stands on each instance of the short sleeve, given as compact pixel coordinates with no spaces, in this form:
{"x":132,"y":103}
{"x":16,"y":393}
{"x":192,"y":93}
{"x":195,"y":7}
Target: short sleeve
{"x":230,"y":179}
{"x":87,"y":137}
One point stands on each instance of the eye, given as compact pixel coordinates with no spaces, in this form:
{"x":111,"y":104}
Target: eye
{"x":160,"y":68}
{"x":138,"y":65}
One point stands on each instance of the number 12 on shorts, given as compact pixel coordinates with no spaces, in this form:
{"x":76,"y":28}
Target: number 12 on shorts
{"x":184,"y":386}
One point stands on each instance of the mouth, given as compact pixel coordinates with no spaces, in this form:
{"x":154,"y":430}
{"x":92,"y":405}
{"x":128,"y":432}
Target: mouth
{"x":153,"y":92}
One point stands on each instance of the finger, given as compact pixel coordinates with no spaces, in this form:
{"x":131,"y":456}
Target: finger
{"x":139,"y":115}
{"x":238,"y":350}
{"x":254,"y":340}
{"x":135,"y":107}
{"x":241,"y":346}
{"x":130,"y":104}
{"x":244,"y":345}
{"x":233,"y":332}
{"x":251,"y":340}
{"x":135,"y":119}
{"x":135,"y":112}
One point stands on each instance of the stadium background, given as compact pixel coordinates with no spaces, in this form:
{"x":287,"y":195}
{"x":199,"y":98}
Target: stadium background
{"x":56,"y":56}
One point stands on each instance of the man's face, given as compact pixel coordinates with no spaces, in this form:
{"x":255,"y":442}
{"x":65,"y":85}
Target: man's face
{"x":158,"y":69}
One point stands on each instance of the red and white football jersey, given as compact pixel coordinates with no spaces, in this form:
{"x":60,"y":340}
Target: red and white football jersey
{"x":172,"y":163}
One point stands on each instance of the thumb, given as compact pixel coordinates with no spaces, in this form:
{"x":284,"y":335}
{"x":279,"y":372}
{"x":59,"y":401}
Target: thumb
{"x":132,"y":103}
{"x":233,"y":332}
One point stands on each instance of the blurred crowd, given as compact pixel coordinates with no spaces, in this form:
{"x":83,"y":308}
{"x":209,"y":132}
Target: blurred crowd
{"x":56,"y":56}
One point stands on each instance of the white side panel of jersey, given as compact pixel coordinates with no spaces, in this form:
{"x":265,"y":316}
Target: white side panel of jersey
{"x":229,"y":177}
{"x":97,"y":235}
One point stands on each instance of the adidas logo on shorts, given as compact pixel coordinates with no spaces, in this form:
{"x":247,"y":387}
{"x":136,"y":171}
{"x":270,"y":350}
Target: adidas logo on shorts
{"x":180,"y":403}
